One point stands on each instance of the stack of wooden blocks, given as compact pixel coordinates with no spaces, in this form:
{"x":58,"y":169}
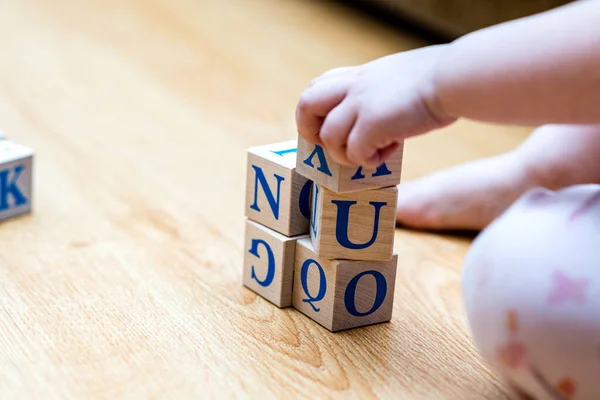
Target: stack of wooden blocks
{"x":16,"y":170}
{"x":319,"y":235}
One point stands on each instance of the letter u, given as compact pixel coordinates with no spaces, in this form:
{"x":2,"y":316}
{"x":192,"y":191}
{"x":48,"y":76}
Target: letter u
{"x":343,"y":221}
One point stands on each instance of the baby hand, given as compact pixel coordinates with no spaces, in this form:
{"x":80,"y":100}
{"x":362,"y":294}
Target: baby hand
{"x":359,"y":114}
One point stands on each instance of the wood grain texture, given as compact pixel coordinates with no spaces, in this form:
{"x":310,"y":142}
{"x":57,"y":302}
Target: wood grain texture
{"x":277,"y":196}
{"x":342,"y":294}
{"x":126,"y":280}
{"x":269,"y":263}
{"x":16,"y":179}
{"x":317,"y":165}
{"x":366,"y":219}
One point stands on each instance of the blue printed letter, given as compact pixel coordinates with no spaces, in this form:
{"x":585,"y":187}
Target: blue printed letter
{"x":285,"y":151}
{"x":9,"y":187}
{"x":322,"y":283}
{"x":342,"y":223}
{"x":380,"y":293}
{"x":273,"y":203}
{"x":323,"y":167}
{"x":304,"y":199}
{"x":380,"y":171}
{"x":270,"y":262}
{"x":313,"y":220}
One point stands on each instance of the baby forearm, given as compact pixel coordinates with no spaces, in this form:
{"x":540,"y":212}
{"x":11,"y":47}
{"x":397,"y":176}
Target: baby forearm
{"x":538,"y":70}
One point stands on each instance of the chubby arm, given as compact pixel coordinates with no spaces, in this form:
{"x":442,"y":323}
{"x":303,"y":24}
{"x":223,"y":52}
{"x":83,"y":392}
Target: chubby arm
{"x":543,"y":69}
{"x":532,"y":71}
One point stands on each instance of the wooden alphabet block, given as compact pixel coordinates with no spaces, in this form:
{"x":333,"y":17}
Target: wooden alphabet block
{"x":277,"y":196}
{"x":16,"y":170}
{"x":343,"y":294}
{"x":317,"y":165}
{"x":354,"y":226}
{"x":269,"y":263}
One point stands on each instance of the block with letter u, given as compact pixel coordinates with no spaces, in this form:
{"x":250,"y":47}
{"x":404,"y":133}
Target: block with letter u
{"x":353,"y":226}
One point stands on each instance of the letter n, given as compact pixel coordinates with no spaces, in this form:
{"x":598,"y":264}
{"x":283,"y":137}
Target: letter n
{"x":261,"y":180}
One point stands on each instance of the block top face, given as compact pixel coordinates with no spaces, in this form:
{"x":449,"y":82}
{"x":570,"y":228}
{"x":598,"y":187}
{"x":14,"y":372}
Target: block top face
{"x":317,"y":165}
{"x":281,"y":153}
{"x":272,"y":233}
{"x":279,"y":237}
{"x":10,"y":151}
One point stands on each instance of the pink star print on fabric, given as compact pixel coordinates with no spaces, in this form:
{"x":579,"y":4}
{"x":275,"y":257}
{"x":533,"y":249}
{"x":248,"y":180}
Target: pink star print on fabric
{"x":512,"y":354}
{"x":567,"y":289}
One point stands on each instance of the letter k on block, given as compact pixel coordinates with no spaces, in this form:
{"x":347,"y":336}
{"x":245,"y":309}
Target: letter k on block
{"x":16,"y":163}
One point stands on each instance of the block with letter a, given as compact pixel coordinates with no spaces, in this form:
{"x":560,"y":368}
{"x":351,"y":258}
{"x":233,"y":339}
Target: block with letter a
{"x":317,"y":165}
{"x":342,"y":294}
{"x":276,"y":196}
{"x":16,"y":171}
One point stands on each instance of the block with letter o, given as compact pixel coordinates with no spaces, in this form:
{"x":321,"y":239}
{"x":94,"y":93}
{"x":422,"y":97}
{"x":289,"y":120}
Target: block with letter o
{"x":342,"y":294}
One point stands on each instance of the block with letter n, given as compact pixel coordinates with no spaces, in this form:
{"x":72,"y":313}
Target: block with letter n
{"x":342,"y":294}
{"x":269,"y":263}
{"x":276,"y":196}
{"x":16,"y":164}
{"x":354,"y":226}
{"x":317,"y":165}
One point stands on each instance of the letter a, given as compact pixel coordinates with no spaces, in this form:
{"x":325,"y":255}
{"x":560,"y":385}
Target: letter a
{"x":342,"y":223}
{"x":380,"y":171}
{"x":260,"y":179}
{"x":323,"y":167}
{"x":9,"y":187}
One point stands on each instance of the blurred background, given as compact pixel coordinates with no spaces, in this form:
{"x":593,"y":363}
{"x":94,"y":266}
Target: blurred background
{"x":449,"y":19}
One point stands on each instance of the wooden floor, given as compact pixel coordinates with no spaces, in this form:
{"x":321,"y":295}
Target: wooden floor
{"x":125,"y":282}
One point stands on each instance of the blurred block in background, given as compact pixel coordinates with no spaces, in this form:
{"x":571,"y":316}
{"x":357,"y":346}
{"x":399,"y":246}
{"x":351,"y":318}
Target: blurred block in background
{"x":454,"y":18}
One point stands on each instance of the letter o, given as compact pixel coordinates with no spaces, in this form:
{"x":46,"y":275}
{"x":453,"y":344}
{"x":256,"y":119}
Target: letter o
{"x":380,"y":293}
